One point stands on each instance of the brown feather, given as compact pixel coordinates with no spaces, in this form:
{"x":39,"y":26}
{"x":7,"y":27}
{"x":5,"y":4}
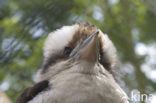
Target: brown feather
{"x":33,"y":91}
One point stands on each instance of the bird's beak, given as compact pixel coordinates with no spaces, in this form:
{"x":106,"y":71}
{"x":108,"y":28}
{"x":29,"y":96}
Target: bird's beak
{"x":88,"y":50}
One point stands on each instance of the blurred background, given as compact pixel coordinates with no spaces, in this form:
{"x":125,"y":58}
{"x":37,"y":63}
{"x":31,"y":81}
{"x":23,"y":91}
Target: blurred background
{"x":130,"y":24}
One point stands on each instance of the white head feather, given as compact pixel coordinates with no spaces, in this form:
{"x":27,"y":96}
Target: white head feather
{"x":58,"y":39}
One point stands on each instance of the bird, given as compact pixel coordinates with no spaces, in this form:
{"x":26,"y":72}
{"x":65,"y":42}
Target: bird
{"x":77,"y":68}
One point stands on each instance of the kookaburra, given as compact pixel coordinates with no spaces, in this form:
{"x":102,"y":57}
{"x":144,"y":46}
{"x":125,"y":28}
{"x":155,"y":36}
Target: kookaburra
{"x":77,"y":66}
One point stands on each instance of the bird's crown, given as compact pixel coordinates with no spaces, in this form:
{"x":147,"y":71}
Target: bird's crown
{"x":60,"y":43}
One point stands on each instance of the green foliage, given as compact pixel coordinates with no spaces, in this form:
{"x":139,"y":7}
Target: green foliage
{"x":25,"y":24}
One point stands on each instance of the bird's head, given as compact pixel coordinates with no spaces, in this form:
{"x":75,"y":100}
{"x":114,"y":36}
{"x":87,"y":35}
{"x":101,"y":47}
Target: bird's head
{"x":76,"y":48}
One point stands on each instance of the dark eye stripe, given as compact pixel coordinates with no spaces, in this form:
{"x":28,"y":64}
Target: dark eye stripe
{"x":54,"y":58}
{"x":103,"y":60}
{"x":67,"y":51}
{"x":51,"y":60}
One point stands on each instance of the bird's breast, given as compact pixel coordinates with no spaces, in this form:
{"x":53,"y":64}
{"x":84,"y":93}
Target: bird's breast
{"x":81,"y":88}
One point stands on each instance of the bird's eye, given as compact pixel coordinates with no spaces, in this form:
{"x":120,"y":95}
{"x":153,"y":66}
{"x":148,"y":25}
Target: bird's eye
{"x":67,"y":51}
